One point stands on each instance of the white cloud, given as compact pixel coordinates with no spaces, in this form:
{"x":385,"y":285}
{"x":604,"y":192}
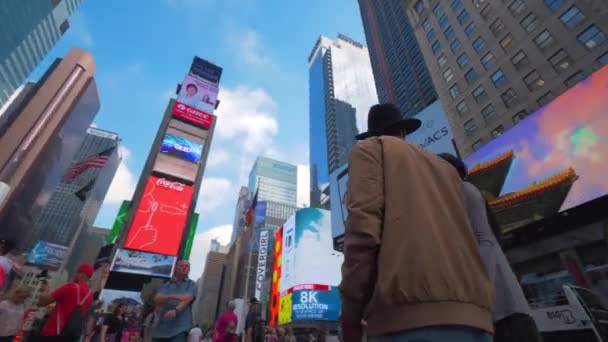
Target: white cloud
{"x":303,"y":192}
{"x":249,"y":48}
{"x":217,"y":157}
{"x":124,"y":182}
{"x":213,"y":194}
{"x":201,"y":245}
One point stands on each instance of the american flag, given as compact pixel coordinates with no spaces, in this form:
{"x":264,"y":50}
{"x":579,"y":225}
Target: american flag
{"x":98,"y":161}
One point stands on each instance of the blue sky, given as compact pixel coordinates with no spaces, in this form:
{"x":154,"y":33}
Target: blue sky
{"x":144,"y":48}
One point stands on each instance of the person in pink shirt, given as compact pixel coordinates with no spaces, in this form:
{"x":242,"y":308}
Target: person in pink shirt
{"x":226,"y":325}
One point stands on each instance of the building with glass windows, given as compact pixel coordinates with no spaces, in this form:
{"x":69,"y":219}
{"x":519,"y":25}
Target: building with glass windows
{"x":495,"y":62}
{"x":399,"y":70}
{"x":341,"y":90}
{"x":30,"y":30}
{"x":274,"y":181}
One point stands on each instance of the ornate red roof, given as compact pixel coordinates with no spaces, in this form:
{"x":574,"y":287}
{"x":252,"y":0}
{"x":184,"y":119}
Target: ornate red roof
{"x":479,"y":168}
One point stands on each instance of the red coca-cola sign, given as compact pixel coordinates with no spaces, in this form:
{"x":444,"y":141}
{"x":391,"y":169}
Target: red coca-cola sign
{"x":191,"y":114}
{"x":177,"y":186}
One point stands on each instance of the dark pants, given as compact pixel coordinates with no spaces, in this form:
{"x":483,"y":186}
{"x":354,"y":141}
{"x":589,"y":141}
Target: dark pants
{"x":517,"y":327}
{"x":181,"y":337}
{"x":436,"y":334}
{"x":6,"y":338}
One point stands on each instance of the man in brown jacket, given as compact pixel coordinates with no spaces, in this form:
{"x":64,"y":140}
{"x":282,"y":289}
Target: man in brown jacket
{"x":412,"y":270}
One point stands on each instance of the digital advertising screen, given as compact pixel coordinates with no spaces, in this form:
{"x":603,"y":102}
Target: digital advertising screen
{"x":435,"y":133}
{"x":567,"y":136}
{"x":198,"y":94}
{"x":260,"y":214}
{"x":182,"y":148}
{"x":338,"y":181}
{"x":160,"y":219}
{"x":193,"y":115}
{"x":206,"y":70}
{"x":138,"y":262}
{"x":315,"y":303}
{"x":275,"y":293}
{"x":46,"y":254}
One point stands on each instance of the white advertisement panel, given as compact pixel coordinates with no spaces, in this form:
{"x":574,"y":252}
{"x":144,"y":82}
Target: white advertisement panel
{"x":198,"y":94}
{"x":260,"y":277}
{"x":435,"y":133}
{"x":288,"y":258}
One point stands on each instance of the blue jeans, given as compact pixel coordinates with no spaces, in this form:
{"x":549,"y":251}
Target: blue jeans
{"x":436,"y":334}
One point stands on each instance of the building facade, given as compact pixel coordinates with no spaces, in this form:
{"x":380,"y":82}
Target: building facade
{"x":274,"y":181}
{"x":208,"y":298}
{"x":341,"y":90}
{"x":30,"y":30}
{"x":399,"y":70}
{"x":495,"y":62}
{"x":242,"y":204}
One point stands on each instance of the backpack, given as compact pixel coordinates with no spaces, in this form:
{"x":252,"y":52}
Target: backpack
{"x":75,"y":323}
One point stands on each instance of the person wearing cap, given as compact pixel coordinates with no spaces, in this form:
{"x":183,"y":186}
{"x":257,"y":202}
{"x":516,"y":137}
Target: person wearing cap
{"x":412,"y":269}
{"x":251,"y":321}
{"x":173,"y":305}
{"x":66,"y":299}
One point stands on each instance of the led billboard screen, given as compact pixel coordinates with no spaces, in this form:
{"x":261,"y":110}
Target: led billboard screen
{"x":435,"y":133}
{"x":205,"y":70}
{"x":160,"y":219}
{"x":192,"y":115}
{"x":47,"y":255}
{"x":569,"y":135}
{"x":198,"y":94}
{"x":182,"y":148}
{"x":137,"y":262}
{"x":275,"y":294}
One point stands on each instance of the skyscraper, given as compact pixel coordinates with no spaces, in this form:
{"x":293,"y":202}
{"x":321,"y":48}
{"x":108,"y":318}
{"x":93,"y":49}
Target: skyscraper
{"x":341,"y":90}
{"x":399,"y":70}
{"x":494,"y":62}
{"x":30,"y":30}
{"x":209,"y":289}
{"x":242,"y":204}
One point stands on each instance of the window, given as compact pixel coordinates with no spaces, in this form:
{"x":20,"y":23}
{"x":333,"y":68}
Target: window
{"x":462,"y":108}
{"x":419,"y":6}
{"x":454,"y":91}
{"x":517,"y":7}
{"x":437,"y":10}
{"x":507,"y":42}
{"x":487,"y":61}
{"x":560,"y":60}
{"x":471,"y":75}
{"x":470,"y":127}
{"x":430,"y":35}
{"x":448,"y":75}
{"x":470,"y":29}
{"x":455,"y":5}
{"x":520,"y":60}
{"x":574,"y":79}
{"x":592,"y":37}
{"x":449,"y":33}
{"x":572,"y":17}
{"x":463,"y":60}
{"x":65,"y":25}
{"x":455,"y":46}
{"x":463,"y":17}
{"x":496,"y":132}
{"x":426,"y":24}
{"x":519,"y":116}
{"x":603,"y":59}
{"x":544,"y":40}
{"x":497,"y":26}
{"x":509,"y":98}
{"x":553,"y":4}
{"x":477,"y":145}
{"x":479,"y":44}
{"x":479,"y":94}
{"x":545,"y":99}
{"x":478,"y":3}
{"x":436,"y":47}
{"x":485,"y":12}
{"x":441,"y":60}
{"x":529,"y":23}
{"x":443,"y":21}
{"x":498,"y":78}
{"x":533,"y":80}
{"x":488,"y":112}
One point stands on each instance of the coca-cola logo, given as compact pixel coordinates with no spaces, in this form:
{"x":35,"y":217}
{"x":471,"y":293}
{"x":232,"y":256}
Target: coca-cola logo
{"x":177,"y":186}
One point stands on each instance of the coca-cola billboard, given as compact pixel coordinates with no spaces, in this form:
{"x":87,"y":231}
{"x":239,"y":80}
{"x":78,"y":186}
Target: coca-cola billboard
{"x":160,"y":219}
{"x":192,"y":115}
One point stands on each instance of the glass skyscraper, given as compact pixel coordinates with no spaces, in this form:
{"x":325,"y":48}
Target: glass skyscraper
{"x":399,"y":69}
{"x":29,"y":31}
{"x":341,"y":90}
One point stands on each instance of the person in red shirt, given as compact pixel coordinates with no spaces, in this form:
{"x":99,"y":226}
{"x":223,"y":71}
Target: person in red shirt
{"x":226,"y":325}
{"x":66,"y":298}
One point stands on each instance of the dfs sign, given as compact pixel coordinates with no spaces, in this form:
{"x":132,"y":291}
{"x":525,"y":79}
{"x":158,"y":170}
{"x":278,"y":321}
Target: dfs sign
{"x":434,"y":134}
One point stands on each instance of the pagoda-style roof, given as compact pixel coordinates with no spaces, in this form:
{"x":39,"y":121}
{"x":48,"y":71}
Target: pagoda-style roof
{"x":489,"y":177}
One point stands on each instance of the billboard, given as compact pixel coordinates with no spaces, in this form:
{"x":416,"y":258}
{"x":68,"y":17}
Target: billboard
{"x":150,"y":264}
{"x":315,"y":303}
{"x":160,"y":218}
{"x":193,"y":115}
{"x":191,"y":234}
{"x":435,"y":133}
{"x":118,"y":222}
{"x":338,"y":181}
{"x":260,"y":214}
{"x":262,"y":262}
{"x":206,"y":71}
{"x":570,"y":133}
{"x":181,"y":151}
{"x":182,"y":148}
{"x":47,"y":255}
{"x":198,"y":94}
{"x":275,"y":294}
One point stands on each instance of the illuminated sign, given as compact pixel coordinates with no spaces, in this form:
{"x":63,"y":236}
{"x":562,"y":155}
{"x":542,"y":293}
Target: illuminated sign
{"x":182,"y":148}
{"x":262,"y":258}
{"x":198,"y":94}
{"x":47,"y":254}
{"x":275,"y":294}
{"x":205,"y":70}
{"x":192,"y":115}
{"x":435,"y":133}
{"x":160,"y":218}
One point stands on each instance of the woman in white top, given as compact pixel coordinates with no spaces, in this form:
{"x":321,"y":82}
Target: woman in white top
{"x":512,"y":318}
{"x":11,"y":314}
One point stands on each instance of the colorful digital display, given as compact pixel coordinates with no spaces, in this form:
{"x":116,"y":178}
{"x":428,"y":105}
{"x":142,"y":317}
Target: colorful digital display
{"x":275,"y":294}
{"x":192,"y":115}
{"x":182,"y":148}
{"x":198,"y":94}
{"x":137,"y":262}
{"x":46,"y":254}
{"x":570,"y":133}
{"x":160,"y":218}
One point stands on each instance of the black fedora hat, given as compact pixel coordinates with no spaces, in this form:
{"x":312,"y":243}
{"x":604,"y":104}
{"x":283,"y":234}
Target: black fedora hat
{"x":385,"y":117}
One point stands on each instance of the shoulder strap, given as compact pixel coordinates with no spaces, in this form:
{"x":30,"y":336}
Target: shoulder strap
{"x":85,"y":298}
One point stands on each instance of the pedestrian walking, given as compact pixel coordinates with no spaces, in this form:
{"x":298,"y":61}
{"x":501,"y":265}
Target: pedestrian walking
{"x":11,"y":314}
{"x":291,"y":337}
{"x":225,"y":328}
{"x":411,"y":266}
{"x":251,"y":322}
{"x":281,"y":335}
{"x":512,"y":317}
{"x":114,"y":324}
{"x":271,"y":335}
{"x":173,"y":303}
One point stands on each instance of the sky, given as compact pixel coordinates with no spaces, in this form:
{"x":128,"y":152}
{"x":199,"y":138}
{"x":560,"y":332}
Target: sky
{"x":143,"y":48}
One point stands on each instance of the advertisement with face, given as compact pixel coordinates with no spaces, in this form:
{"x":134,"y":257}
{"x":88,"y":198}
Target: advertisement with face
{"x":435,"y":133}
{"x":151,"y":264}
{"x":205,"y":70}
{"x":160,"y":218}
{"x":193,"y":115}
{"x":181,"y":151}
{"x":182,"y":148}
{"x":198,"y":94}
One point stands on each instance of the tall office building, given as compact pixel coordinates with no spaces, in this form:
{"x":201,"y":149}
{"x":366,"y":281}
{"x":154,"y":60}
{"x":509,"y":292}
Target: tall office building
{"x":341,"y":90}
{"x":40,"y":142}
{"x":494,"y":62}
{"x":399,"y":70}
{"x":242,"y":204}
{"x":210,"y":287}
{"x":30,"y":30}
